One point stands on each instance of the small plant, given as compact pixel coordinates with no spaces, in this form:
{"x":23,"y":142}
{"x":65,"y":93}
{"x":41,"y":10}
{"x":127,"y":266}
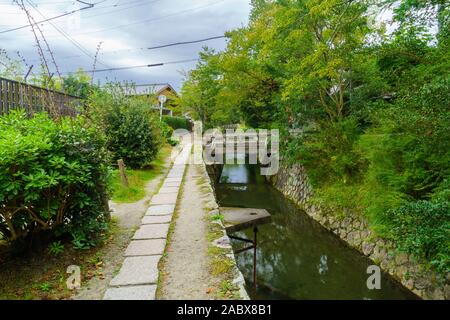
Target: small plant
{"x":228,"y":289}
{"x":56,"y":248}
{"x":217,"y":217}
{"x":221,"y":265}
{"x":173,"y":142}
{"x":45,"y":287}
{"x":97,"y":258}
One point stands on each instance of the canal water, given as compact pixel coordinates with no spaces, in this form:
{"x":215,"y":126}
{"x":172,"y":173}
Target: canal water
{"x":297,"y":257}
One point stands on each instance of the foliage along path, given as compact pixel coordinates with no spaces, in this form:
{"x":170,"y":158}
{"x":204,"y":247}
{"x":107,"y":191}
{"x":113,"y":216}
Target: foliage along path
{"x":138,"y":276}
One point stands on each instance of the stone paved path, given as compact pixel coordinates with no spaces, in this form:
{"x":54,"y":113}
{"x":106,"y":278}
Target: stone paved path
{"x":138,"y":275}
{"x":188,"y":247}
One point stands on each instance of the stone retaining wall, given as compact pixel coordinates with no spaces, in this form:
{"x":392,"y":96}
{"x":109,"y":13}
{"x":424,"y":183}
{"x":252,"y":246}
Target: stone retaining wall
{"x":354,"y":230}
{"x":223,"y":242}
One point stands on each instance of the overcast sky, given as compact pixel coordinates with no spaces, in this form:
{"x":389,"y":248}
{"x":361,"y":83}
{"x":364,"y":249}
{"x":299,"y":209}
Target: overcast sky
{"x":123,"y":27}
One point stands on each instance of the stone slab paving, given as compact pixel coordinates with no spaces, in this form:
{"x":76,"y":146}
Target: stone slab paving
{"x":165,"y":198}
{"x":169,"y":190}
{"x":145,"y":247}
{"x":175,"y":174}
{"x":131,"y":293}
{"x":151,"y":231}
{"x":178,"y":170}
{"x":137,"y":270}
{"x":162,"y":209}
{"x":171,"y":184}
{"x":138,"y":275}
{"x":173,"y":180}
{"x":156,"y":219}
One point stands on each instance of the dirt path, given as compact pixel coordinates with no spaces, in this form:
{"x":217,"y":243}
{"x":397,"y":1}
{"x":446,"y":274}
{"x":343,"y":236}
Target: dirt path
{"x":129,"y":217}
{"x":186,"y":274}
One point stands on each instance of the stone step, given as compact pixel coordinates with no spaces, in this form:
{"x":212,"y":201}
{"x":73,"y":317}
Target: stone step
{"x":164,"y":198}
{"x":169,"y":190}
{"x":171,"y":184}
{"x":173,"y":180}
{"x":137,"y":270}
{"x":162,"y":209}
{"x":145,"y":247}
{"x":152,"y":231}
{"x":146,"y":292}
{"x":156,"y":219}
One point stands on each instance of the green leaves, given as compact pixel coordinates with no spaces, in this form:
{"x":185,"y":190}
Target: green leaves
{"x":53,"y":175}
{"x":372,"y":107}
{"x":422,"y":228}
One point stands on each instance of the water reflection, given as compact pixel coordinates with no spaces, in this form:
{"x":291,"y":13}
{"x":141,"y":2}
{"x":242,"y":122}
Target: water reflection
{"x":297,"y":258}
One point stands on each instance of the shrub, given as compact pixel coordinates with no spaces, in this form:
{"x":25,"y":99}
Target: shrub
{"x":423,"y":229}
{"x":131,"y":128}
{"x":53,"y":177}
{"x":166,"y":131}
{"x":178,"y":123}
{"x":328,"y":152}
{"x":133,"y":134}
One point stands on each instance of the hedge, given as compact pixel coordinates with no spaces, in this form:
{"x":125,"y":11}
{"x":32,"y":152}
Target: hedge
{"x":133,"y":133}
{"x":53,"y":179}
{"x":178,"y":123}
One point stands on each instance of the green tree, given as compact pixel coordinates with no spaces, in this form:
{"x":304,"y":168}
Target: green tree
{"x":77,"y":84}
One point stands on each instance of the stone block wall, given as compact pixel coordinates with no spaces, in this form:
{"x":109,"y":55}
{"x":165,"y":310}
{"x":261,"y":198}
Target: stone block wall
{"x":292,"y":181}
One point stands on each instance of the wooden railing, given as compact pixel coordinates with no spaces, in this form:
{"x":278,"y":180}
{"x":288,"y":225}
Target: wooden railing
{"x":31,"y":98}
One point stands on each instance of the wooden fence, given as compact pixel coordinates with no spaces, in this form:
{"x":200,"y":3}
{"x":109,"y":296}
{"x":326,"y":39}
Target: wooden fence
{"x":15,"y":95}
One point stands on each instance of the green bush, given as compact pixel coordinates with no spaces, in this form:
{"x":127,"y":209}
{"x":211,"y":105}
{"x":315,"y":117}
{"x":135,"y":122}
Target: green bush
{"x":133,"y":131}
{"x":327,"y":152}
{"x":178,"y":123}
{"x":423,"y":229}
{"x":166,"y":131}
{"x":53,"y":178}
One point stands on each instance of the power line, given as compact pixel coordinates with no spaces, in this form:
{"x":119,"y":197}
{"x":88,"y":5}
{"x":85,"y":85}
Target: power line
{"x":131,"y":5}
{"x":73,"y":41}
{"x":151,"y":65}
{"x":185,"y":42}
{"x":53,"y":18}
{"x":147,"y":20}
{"x":155,"y":47}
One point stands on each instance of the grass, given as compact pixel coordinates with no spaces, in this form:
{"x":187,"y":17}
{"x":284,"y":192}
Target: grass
{"x":137,"y":179}
{"x":228,"y":290}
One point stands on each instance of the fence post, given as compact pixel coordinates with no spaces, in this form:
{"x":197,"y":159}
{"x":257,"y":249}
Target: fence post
{"x":122,"y":172}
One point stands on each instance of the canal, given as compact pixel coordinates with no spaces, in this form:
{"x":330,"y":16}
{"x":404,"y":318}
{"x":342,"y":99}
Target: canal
{"x":297,"y":257}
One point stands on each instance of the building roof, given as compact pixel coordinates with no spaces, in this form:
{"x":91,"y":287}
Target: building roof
{"x":153,"y":88}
